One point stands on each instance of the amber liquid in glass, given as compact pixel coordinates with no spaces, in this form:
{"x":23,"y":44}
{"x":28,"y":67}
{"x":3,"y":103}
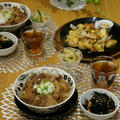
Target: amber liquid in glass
{"x":104,"y":73}
{"x":33,"y":41}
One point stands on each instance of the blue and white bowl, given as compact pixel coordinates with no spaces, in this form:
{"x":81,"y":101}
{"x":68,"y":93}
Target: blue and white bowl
{"x":24,"y":77}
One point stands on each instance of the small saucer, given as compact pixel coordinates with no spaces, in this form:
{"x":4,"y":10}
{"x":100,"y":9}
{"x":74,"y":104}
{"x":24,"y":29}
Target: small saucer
{"x":66,"y":109}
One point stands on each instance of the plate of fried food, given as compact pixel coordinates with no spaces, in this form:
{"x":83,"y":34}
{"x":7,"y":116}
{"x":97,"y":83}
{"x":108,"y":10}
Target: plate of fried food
{"x":86,"y":35}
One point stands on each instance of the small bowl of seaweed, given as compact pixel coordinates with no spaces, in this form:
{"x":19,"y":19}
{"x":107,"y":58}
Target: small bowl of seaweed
{"x":99,"y":104}
{"x":8,"y":43}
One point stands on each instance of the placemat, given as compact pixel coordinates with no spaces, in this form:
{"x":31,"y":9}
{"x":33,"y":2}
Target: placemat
{"x":19,"y":61}
{"x":82,"y":76}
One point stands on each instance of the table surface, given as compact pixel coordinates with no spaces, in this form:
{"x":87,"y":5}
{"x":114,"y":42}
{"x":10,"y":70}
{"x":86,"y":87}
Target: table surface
{"x":107,"y":8}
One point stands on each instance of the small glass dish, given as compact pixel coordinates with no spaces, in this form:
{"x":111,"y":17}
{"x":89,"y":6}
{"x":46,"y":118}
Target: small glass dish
{"x":70,"y":57}
{"x":40,"y":20}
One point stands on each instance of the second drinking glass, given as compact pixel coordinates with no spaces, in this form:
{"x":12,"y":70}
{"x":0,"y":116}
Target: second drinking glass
{"x":33,"y":41}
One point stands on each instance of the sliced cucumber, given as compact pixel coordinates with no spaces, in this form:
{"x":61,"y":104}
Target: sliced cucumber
{"x":37,"y":17}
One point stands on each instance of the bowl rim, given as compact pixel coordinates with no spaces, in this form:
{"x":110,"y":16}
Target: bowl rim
{"x":107,"y":57}
{"x":105,"y":21}
{"x":81,"y":55}
{"x":17,"y":4}
{"x":15,"y":42}
{"x":101,"y":90}
{"x":47,"y":107}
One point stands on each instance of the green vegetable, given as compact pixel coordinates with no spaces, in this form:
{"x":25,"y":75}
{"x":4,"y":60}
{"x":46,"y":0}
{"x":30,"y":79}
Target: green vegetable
{"x":40,"y":15}
{"x":96,"y":2}
{"x":37,"y":17}
{"x":89,"y":1}
{"x":98,"y":10}
{"x":33,"y":19}
{"x":69,"y":3}
{"x":69,"y":55}
{"x":44,"y":88}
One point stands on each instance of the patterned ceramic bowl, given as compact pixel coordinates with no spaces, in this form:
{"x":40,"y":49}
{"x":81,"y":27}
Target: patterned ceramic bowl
{"x":18,"y":25}
{"x":88,"y":95}
{"x":12,"y":37}
{"x":24,"y":77}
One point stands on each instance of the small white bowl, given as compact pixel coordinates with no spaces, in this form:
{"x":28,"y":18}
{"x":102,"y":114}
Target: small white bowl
{"x":7,"y":51}
{"x":106,"y":24}
{"x":12,"y":28}
{"x":22,"y":79}
{"x":88,"y":94}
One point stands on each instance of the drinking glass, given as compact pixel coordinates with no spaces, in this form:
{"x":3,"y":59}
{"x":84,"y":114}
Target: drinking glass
{"x":103,"y":69}
{"x":33,"y":41}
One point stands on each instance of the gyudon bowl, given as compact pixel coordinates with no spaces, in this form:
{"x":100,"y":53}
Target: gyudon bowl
{"x":13,"y":16}
{"x":44,"y":89}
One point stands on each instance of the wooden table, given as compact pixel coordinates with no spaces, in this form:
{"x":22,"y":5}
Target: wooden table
{"x":107,"y":8}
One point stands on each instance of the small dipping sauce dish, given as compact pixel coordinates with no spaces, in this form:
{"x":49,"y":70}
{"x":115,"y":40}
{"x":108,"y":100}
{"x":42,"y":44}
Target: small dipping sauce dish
{"x":106,"y":24}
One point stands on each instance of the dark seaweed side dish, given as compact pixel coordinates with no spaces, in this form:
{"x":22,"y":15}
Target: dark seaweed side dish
{"x":100,"y":104}
{"x":5,"y":42}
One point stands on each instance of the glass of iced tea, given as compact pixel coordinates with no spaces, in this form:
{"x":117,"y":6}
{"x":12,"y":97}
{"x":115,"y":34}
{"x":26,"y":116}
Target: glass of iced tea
{"x":33,"y":41}
{"x":103,"y":69}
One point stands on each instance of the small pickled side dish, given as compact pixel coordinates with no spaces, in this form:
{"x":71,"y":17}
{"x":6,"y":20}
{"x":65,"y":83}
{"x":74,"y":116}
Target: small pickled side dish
{"x":40,"y":17}
{"x":100,"y":103}
{"x":45,"y":90}
{"x":69,"y":55}
{"x":5,"y":42}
